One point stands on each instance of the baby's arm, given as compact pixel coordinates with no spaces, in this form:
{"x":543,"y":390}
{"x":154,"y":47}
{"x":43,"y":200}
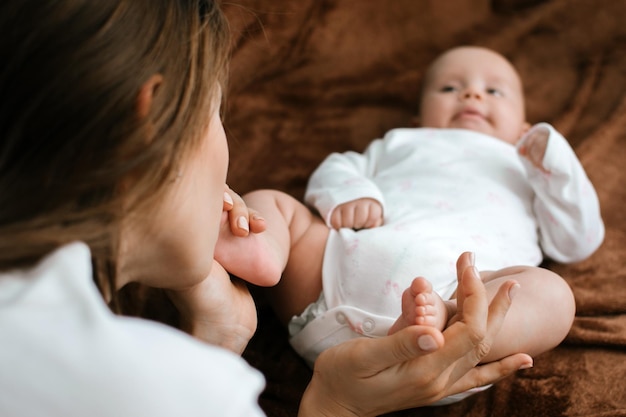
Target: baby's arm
{"x":345,"y":178}
{"x":566,"y":204}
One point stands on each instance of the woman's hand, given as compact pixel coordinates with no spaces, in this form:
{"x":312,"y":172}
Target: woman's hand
{"x":242,"y":219}
{"x":218,"y":310}
{"x":417,"y":365}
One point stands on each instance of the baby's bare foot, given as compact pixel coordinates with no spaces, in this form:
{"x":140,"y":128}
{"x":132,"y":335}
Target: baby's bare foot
{"x":252,"y":258}
{"x":422,"y":306}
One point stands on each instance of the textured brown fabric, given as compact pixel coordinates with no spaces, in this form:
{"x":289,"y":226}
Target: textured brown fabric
{"x":309,"y":77}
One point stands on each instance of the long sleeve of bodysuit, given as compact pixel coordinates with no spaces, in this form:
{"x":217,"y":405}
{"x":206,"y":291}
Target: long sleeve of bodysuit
{"x":565,"y":203}
{"x":344,"y":177}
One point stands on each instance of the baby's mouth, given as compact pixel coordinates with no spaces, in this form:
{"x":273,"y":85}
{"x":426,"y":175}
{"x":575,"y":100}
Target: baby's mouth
{"x":470,"y":113}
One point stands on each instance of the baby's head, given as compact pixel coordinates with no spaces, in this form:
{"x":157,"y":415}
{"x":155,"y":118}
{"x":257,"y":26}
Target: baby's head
{"x":474,"y":88}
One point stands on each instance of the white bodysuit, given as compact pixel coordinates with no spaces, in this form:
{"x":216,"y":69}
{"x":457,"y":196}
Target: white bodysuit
{"x":64,"y":354}
{"x":443,"y":192}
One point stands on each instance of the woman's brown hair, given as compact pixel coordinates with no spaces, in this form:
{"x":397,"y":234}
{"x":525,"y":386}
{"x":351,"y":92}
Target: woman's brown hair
{"x":70,"y":131}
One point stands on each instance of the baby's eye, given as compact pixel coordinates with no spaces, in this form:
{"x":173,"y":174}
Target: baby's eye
{"x":448,"y":89}
{"x":495,"y":92}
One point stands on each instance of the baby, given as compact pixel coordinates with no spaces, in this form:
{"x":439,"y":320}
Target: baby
{"x":475,"y":176}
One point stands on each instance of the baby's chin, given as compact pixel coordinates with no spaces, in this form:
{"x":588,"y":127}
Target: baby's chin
{"x":484,"y":128}
{"x":475,"y":122}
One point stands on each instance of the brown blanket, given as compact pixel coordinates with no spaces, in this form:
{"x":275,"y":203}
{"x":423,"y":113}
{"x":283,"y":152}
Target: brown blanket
{"x":309,"y":77}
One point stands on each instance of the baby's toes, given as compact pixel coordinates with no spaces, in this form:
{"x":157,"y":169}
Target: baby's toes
{"x":421,"y":285}
{"x":425,"y":315}
{"x":425,"y":299}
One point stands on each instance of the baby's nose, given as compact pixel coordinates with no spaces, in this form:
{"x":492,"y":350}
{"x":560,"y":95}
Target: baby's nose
{"x":471,"y":93}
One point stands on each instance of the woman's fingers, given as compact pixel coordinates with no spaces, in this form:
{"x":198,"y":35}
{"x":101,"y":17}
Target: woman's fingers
{"x":466,"y":342}
{"x":500,"y":305}
{"x":416,"y":366}
{"x":237,"y":214}
{"x":469,"y":339}
{"x":475,"y":334}
{"x":368,"y":377}
{"x":466,"y":260}
{"x":492,"y":372}
{"x":242,"y":219}
{"x":472,"y":304}
{"x":406,"y":345}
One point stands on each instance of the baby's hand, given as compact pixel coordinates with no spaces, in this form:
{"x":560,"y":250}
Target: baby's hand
{"x":242,"y":219}
{"x":363,"y":213}
{"x":534,"y":147}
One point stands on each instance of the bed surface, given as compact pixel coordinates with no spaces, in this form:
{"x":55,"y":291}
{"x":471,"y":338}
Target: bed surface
{"x":310,"y":77}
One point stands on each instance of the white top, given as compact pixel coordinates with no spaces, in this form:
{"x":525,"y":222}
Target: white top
{"x":445,"y":191}
{"x":63,"y":353}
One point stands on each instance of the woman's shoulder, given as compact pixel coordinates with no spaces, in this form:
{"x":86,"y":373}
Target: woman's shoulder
{"x":64,"y":340}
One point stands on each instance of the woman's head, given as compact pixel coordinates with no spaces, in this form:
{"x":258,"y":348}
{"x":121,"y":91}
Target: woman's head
{"x":102,"y":105}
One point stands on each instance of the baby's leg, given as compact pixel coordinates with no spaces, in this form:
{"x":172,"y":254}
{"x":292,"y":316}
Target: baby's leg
{"x":301,"y":282}
{"x":540,"y":316}
{"x":292,"y":245}
{"x":422,"y":306}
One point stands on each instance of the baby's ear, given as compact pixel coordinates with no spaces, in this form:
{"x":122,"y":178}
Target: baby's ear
{"x":416,"y":121}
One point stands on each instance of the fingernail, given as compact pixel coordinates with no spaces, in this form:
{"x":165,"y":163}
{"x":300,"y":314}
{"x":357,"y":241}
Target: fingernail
{"x":513,"y":291}
{"x":242,"y":223}
{"x":257,"y":217}
{"x":426,"y":343}
{"x":228,"y":199}
{"x":526,"y":366}
{"x":472,"y":258}
{"x":475,"y":272}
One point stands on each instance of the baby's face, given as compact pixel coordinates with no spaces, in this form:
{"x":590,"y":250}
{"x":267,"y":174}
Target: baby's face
{"x":477,"y":89}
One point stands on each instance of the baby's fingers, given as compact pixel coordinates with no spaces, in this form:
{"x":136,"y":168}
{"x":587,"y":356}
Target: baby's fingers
{"x":337,"y":219}
{"x":375,"y":215}
{"x":533,"y":147}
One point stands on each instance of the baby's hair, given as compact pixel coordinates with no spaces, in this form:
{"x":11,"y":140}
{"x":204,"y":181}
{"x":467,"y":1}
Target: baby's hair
{"x":75,"y":156}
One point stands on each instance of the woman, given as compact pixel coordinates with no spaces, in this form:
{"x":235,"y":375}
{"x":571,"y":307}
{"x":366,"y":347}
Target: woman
{"x":112,"y":170}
